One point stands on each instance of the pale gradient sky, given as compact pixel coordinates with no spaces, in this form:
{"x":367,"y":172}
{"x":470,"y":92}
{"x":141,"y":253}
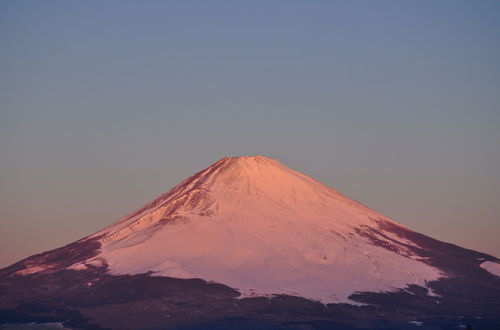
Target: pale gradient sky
{"x":106,"y":104}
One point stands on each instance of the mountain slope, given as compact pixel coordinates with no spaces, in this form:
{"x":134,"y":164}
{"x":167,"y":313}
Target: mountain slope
{"x":253,"y":225}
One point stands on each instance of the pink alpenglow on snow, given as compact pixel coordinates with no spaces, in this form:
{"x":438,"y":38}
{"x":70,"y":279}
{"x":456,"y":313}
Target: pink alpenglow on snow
{"x":253,"y":224}
{"x":492,"y":267}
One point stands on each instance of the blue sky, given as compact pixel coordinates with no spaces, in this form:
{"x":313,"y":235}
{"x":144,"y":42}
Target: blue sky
{"x":106,"y":104}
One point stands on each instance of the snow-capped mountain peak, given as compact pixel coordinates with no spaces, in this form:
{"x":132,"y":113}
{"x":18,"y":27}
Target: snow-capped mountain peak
{"x":251,"y":227}
{"x":256,"y":225}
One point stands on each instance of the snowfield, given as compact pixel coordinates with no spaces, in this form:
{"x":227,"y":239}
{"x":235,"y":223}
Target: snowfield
{"x":258,"y":226}
{"x":492,"y":267}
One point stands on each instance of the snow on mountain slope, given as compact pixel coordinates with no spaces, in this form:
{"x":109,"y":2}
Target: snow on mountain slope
{"x":258,"y":226}
{"x":492,"y":267}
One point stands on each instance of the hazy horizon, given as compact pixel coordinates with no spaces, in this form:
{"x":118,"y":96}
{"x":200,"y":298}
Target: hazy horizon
{"x":105,"y":105}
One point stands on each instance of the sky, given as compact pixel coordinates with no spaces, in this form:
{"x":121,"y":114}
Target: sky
{"x":106,"y":104}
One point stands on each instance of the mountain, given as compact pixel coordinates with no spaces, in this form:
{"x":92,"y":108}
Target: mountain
{"x":250,"y":242}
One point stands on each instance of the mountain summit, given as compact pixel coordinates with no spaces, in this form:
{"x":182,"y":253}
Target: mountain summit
{"x":258,"y":227}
